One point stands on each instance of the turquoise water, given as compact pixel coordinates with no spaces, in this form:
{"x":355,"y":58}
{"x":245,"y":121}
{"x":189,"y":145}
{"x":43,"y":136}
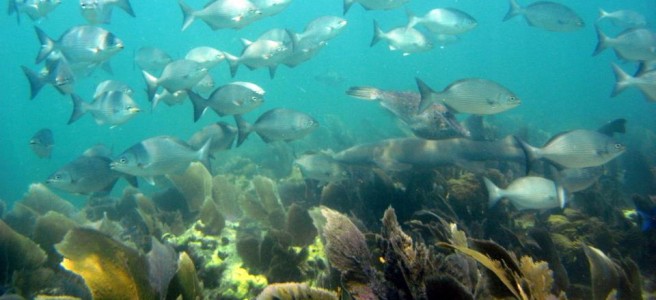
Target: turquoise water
{"x":562,"y":86}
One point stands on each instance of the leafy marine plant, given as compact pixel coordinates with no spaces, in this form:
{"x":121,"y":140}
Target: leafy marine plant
{"x":294,"y":290}
{"x":195,"y":184}
{"x":19,"y":253}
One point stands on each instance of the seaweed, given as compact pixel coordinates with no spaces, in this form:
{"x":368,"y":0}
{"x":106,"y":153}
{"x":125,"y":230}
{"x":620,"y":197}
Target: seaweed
{"x":294,"y":290}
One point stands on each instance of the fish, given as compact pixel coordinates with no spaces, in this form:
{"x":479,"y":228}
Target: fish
{"x":331,"y":78}
{"x":375,"y":4}
{"x":207,"y":57}
{"x":178,"y":75}
{"x":529,"y":192}
{"x":648,"y":219}
{"x":221,"y":14}
{"x":159,"y":155}
{"x":205,"y":85}
{"x":35,"y":9}
{"x":169,"y":98}
{"x":579,"y":179}
{"x":271,"y":7}
{"x":471,"y":96}
{"x":88,"y":174}
{"x":323,"y":29}
{"x":406,"y":40}
{"x":221,"y":134}
{"x":625,"y":18}
{"x":81,"y":44}
{"x":547,"y":15}
{"x":152,"y":59}
{"x":578,"y":148}
{"x":42,"y":143}
{"x":321,"y":166}
{"x":234,"y":98}
{"x":277,"y":124}
{"x":112,"y":108}
{"x":436,"y":122}
{"x":112,"y":86}
{"x":645,"y":82}
{"x":445,"y":21}
{"x":100,"y":11}
{"x":57,"y":73}
{"x":399,"y":154}
{"x":261,"y":53}
{"x":635,"y":44}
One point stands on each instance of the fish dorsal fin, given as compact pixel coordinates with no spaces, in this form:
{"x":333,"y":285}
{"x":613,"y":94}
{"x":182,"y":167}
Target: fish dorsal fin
{"x":614,"y":126}
{"x":555,"y":137}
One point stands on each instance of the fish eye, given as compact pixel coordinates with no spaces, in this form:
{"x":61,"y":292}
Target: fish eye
{"x":58,"y":177}
{"x":123,"y":160}
{"x":618,"y":146}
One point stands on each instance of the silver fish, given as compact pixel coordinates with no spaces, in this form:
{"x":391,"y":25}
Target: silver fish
{"x":42,"y":143}
{"x":623,"y":18}
{"x":35,"y":9}
{"x":375,"y":4}
{"x":207,"y":57}
{"x":530,"y":192}
{"x":575,"y":180}
{"x":88,"y":174}
{"x":151,"y":59}
{"x":321,"y":166}
{"x":159,"y":155}
{"x":547,"y":15}
{"x":278,"y":124}
{"x":436,"y":122}
{"x":406,"y":40}
{"x":235,"y":98}
{"x":100,"y":11}
{"x":178,"y":75}
{"x":175,"y":98}
{"x":262,"y":53}
{"x":221,"y":134}
{"x":577,"y":149}
{"x":57,"y":73}
{"x":448,"y":21}
{"x":205,"y":85}
{"x":271,"y":7}
{"x":112,"y":86}
{"x":636,"y":44}
{"x":323,"y":29}
{"x":471,"y":96}
{"x":112,"y":108}
{"x":81,"y":44}
{"x":645,"y":82}
{"x":221,"y":14}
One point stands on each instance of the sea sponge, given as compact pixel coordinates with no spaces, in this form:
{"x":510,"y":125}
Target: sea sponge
{"x":18,"y":251}
{"x":195,"y":184}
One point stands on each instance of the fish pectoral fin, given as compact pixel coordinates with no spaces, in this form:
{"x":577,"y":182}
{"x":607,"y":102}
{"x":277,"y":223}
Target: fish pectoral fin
{"x":150,"y":180}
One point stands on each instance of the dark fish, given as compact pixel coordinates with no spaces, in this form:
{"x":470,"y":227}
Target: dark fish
{"x":42,"y":143}
{"x":436,"y":122}
{"x":178,"y":75}
{"x":221,"y":134}
{"x":530,"y":192}
{"x":321,"y":166}
{"x":152,"y":59}
{"x":88,"y":174}
{"x":234,"y":98}
{"x":547,"y":15}
{"x":471,"y":96}
{"x":261,"y":53}
{"x":278,"y":124}
{"x":57,"y":73}
{"x":574,"y":180}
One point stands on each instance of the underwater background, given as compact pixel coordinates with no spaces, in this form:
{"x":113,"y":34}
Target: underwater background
{"x":562,"y":87}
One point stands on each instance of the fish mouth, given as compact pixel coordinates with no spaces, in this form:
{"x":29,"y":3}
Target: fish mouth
{"x":134,"y":110}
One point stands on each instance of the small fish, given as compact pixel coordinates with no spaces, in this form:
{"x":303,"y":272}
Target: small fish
{"x":577,"y":149}
{"x":375,"y":4}
{"x":471,"y":96}
{"x":648,"y":219}
{"x":113,"y":108}
{"x":575,"y":180}
{"x":528,"y":192}
{"x":278,"y":124}
{"x":205,"y":85}
{"x":635,"y":44}
{"x":88,"y":174}
{"x":151,"y":59}
{"x":100,"y":11}
{"x":57,"y":73}
{"x":321,"y":166}
{"x":35,"y":9}
{"x":323,"y":29}
{"x":159,"y":155}
{"x":81,"y":44}
{"x":262,"y":53}
{"x":234,"y":98}
{"x":406,"y":40}
{"x":207,"y":57}
{"x":175,"y":98}
{"x":445,"y":21}
{"x":623,"y":18}
{"x":645,"y":82}
{"x":42,"y":143}
{"x":112,"y":86}
{"x":547,"y":15}
{"x":221,"y":134}
{"x":271,"y":7}
{"x":178,"y":75}
{"x":221,"y":14}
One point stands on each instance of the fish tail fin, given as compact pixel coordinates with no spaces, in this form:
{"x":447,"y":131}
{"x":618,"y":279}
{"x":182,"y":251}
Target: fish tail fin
{"x":13,"y":9}
{"x":602,"y":14}
{"x":364,"y":92}
{"x":199,"y":103}
{"x":602,"y":41}
{"x":493,"y":191}
{"x":151,"y":85}
{"x":204,"y":155}
{"x":622,"y":80}
{"x":513,"y":11}
{"x":612,"y":127}
{"x":132,"y":180}
{"x":347,"y":5}
{"x":412,"y":19}
{"x":243,"y":129}
{"x":532,"y":153}
{"x":188,"y":15}
{"x":426,"y":95}
{"x":294,"y":39}
{"x":378,"y":33}
{"x":272,"y":71}
{"x":126,"y":6}
{"x":79,"y":108}
{"x":47,"y":44}
{"x":36,"y":82}
{"x":646,"y":220}
{"x":233,"y":62}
